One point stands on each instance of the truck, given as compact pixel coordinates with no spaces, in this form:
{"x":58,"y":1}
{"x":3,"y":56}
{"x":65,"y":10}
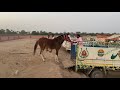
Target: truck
{"x":96,"y":59}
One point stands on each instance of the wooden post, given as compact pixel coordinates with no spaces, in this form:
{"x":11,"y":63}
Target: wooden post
{"x":8,"y":38}
{"x":18,"y":37}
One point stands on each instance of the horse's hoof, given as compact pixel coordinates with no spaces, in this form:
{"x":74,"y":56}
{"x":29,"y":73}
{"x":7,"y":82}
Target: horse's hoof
{"x":57,"y":61}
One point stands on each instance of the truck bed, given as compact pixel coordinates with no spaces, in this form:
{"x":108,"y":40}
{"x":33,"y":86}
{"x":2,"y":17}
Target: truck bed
{"x":107,"y":63}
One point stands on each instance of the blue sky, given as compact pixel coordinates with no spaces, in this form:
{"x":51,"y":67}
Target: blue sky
{"x":107,"y":22}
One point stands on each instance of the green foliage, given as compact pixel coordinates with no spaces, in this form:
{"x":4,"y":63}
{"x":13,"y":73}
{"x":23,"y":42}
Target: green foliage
{"x":35,"y":33}
{"x":2,"y":31}
{"x":23,"y":32}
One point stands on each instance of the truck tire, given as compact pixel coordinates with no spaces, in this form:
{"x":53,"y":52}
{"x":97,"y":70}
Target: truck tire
{"x":96,"y":74}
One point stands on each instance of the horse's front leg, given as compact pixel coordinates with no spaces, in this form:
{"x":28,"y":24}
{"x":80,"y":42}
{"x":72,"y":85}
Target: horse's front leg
{"x":42,"y":58}
{"x":47,"y":49}
{"x":50,"y":51}
{"x":42,"y":55}
{"x":41,"y":51}
{"x":56,"y":56}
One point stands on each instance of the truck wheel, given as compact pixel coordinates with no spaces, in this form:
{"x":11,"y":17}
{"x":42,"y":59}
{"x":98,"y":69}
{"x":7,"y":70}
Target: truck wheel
{"x":96,"y":74}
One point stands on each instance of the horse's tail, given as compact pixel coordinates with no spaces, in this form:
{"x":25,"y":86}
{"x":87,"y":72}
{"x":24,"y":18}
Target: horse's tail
{"x":35,"y":46}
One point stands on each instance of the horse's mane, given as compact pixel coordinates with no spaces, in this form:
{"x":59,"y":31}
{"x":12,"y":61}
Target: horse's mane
{"x":58,"y":37}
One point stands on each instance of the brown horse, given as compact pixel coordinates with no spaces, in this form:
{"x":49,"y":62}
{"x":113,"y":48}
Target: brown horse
{"x":46,"y":43}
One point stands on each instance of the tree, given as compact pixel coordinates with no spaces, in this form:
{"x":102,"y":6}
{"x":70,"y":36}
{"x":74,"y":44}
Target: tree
{"x":37,"y":33}
{"x":8,"y":31}
{"x":78,"y":32}
{"x":43,"y":33}
{"x":28,"y":33}
{"x":2,"y":31}
{"x":33,"y":33}
{"x":17,"y":32}
{"x":50,"y":32}
{"x":23,"y":32}
{"x":13,"y":32}
{"x":56,"y":33}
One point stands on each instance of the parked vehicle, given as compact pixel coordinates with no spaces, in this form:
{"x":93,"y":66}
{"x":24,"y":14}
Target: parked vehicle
{"x":97,"y":61}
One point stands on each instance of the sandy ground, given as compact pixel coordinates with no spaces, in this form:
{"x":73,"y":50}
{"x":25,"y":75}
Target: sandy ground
{"x":17,"y":61}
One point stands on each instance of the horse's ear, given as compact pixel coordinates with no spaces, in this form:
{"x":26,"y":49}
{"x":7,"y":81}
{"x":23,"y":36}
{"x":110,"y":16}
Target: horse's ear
{"x":62,"y":36}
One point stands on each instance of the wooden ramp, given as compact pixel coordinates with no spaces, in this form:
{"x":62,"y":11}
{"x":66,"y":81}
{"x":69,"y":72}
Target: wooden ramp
{"x":68,"y":63}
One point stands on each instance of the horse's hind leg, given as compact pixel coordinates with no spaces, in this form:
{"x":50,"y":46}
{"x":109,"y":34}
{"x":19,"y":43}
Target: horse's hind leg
{"x":43,"y":50}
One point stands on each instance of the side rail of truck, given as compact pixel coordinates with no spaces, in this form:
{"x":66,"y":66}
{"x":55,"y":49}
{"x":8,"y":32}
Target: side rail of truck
{"x":97,"y":61}
{"x":67,"y":45}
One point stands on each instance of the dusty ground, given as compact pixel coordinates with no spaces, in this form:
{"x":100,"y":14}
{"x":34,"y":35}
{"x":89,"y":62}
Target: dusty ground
{"x":17,"y":61}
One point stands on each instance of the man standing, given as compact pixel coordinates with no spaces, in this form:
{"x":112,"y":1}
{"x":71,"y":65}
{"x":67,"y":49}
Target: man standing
{"x":73,"y":46}
{"x":78,"y":40}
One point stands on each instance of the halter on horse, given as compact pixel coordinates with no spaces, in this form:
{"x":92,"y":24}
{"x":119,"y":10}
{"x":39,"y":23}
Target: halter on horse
{"x":46,"y":43}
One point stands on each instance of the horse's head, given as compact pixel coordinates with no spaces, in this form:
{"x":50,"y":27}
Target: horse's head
{"x":63,"y":38}
{"x":66,"y":38}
